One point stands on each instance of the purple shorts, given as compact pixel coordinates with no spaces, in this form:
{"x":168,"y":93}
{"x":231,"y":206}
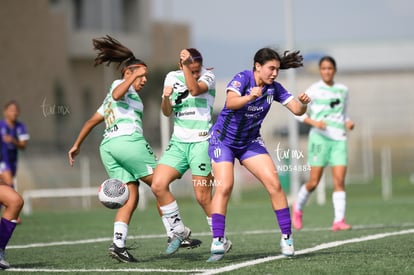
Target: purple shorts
{"x":10,"y":167}
{"x":219,"y":151}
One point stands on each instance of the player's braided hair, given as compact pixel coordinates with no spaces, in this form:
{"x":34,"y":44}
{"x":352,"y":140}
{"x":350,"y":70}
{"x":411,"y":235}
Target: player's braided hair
{"x":289,"y":59}
{"x":111,"y":50}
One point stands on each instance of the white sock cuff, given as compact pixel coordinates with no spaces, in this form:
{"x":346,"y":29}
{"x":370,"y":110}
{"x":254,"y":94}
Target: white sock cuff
{"x":340,"y":195}
{"x":210,"y":223}
{"x":169,"y":208}
{"x":121,"y":224}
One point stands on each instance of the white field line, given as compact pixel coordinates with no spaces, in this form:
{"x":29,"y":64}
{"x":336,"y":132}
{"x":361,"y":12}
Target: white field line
{"x":127,"y":270}
{"x":231,"y":267}
{"x":156,"y":236}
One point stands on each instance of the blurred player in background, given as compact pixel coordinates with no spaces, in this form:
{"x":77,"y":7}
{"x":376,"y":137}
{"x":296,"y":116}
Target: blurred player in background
{"x":236,"y":134}
{"x":14,"y":136}
{"x":188,"y":94}
{"x":327,"y":142}
{"x":125,"y":153}
{"x":13,"y":204}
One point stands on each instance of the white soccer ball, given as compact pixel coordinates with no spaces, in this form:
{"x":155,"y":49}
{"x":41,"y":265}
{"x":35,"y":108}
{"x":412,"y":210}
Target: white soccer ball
{"x":113,"y":193}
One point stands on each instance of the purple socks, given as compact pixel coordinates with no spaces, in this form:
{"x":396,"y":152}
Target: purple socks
{"x":218,"y":225}
{"x":6,"y":230}
{"x":283,"y":218}
{"x":282,"y":215}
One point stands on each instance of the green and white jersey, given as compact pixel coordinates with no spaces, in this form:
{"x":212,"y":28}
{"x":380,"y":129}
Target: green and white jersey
{"x":328,"y":104}
{"x":122,"y":117}
{"x":192,"y":114}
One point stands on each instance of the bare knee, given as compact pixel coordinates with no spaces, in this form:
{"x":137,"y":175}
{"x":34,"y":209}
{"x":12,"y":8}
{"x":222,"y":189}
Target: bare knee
{"x":158,"y":187}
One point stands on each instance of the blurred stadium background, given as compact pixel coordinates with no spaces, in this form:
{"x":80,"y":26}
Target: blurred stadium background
{"x":47,"y":66}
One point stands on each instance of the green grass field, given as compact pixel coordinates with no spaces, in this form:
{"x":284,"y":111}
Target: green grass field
{"x":76,"y":242}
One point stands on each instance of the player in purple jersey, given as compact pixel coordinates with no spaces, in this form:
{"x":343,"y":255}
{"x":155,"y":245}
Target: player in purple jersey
{"x":13,"y":204}
{"x":14,"y":136}
{"x":236,"y":134}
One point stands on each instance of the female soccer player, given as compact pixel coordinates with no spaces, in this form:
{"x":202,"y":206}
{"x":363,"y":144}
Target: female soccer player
{"x":125,"y":153}
{"x":327,"y":141}
{"x":13,"y":204}
{"x":236,"y":134}
{"x":188,"y":94}
{"x":14,"y":136}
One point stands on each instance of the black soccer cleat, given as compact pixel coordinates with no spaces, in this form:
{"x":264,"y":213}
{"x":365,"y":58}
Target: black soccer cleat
{"x":121,"y":254}
{"x":189,"y":243}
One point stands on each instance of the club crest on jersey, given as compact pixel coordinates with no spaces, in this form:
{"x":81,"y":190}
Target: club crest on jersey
{"x":235,"y":84}
{"x":217,"y":152}
{"x":269,"y":99}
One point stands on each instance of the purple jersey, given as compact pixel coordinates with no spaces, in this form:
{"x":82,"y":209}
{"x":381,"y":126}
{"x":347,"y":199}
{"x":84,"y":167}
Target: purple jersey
{"x":239,"y":127}
{"x":9,"y":151}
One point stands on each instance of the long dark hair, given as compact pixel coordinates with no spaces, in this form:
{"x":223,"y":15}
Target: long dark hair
{"x":287,"y":60}
{"x":111,"y":50}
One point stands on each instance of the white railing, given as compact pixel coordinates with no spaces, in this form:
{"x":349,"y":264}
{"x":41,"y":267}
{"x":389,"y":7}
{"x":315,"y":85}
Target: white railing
{"x":84,"y":192}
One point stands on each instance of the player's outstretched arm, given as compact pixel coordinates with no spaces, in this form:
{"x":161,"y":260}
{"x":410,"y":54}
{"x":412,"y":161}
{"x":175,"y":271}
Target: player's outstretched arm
{"x":84,"y":132}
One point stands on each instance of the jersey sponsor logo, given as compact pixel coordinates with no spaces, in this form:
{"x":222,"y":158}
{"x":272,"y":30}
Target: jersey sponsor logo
{"x":253,"y":108}
{"x":235,"y":84}
{"x":334,"y":103}
{"x":203,"y":133}
{"x":202,"y":167}
{"x":185,"y":113}
{"x":252,"y":116}
{"x":181,"y":96}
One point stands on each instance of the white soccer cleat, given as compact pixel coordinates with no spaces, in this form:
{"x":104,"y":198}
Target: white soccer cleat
{"x":286,"y":245}
{"x":175,"y":242}
{"x":219,"y":247}
{"x":3,"y":263}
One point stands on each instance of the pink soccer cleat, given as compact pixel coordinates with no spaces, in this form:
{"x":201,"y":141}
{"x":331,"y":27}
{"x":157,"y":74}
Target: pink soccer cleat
{"x":341,"y":225}
{"x":297,"y":218}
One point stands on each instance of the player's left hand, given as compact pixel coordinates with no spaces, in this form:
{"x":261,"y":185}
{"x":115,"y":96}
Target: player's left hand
{"x":350,"y":125}
{"x":304,"y":98}
{"x":185,"y":57}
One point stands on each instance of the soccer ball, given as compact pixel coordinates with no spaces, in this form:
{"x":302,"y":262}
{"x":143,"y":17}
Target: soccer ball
{"x":113,"y":193}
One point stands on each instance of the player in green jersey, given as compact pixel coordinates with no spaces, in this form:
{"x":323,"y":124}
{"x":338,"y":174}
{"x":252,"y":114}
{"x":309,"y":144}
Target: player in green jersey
{"x":189,"y":95}
{"x":327,"y":142}
{"x":125,"y":153}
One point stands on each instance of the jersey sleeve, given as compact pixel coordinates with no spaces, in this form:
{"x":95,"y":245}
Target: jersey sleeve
{"x":22,"y":133}
{"x":169,"y":79}
{"x":115,"y":84}
{"x":238,"y":83}
{"x":101,"y":110}
{"x":282,"y":95}
{"x":209,"y":79}
{"x":3,"y":130}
